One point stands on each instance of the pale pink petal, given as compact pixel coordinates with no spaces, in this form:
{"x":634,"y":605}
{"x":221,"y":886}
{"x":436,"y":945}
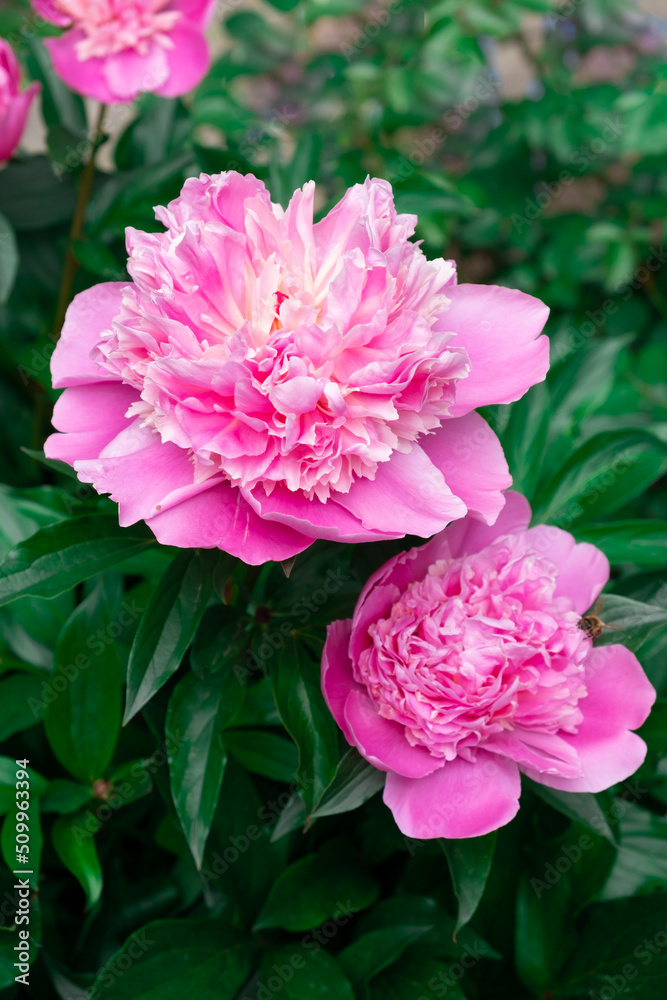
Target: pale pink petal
{"x":337,"y":679}
{"x":619,"y":699}
{"x":459,"y":800}
{"x":471,"y":459}
{"x":499,"y":329}
{"x":90,"y":417}
{"x":583,"y":570}
{"x":187,"y":61}
{"x":408,"y":496}
{"x":221,"y":518}
{"x":382,"y":742}
{"x":89,"y":314}
{"x":82,"y":76}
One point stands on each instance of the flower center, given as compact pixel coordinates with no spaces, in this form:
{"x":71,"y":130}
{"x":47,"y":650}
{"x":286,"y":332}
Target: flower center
{"x":113,"y":26}
{"x":480,"y":645}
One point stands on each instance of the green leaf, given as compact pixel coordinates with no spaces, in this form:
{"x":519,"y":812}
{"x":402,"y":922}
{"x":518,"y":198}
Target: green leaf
{"x":9,"y":258}
{"x":82,"y":718}
{"x":377,"y":950}
{"x":263,"y":752}
{"x":643,"y":543}
{"x":469,"y":863}
{"x":168,"y":626}
{"x":306,"y":974}
{"x":617,"y":948}
{"x":59,"y":105}
{"x":77,"y":851}
{"x":637,"y":622}
{"x":318,"y":887}
{"x":296,"y":688}
{"x":63,"y":796}
{"x":604,"y":474}
{"x":197,"y":757}
{"x":582,"y":807}
{"x":170,"y":959}
{"x":525,"y":437}
{"x":354,"y":782}
{"x":60,"y":556}
{"x":414,"y":976}
{"x":21,"y":704}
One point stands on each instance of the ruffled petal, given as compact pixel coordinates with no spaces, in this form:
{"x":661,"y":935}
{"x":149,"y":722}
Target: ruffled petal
{"x":459,"y":800}
{"x":583,"y":570}
{"x":468,"y":536}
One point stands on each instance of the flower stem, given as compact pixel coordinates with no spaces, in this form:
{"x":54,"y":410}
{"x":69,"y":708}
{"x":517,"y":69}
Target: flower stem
{"x":76,"y":231}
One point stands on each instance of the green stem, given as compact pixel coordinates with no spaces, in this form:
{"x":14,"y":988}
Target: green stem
{"x":76,"y":231}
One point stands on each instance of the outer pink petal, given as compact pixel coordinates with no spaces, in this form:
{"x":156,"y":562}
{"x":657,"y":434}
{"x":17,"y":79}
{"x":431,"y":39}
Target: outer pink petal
{"x":383,"y":743}
{"x":13,"y":121}
{"x":499,"y":329}
{"x":583,"y":570}
{"x":541,"y":751}
{"x":221,"y":518}
{"x":337,"y":678}
{"x":471,"y":459}
{"x":83,"y":76}
{"x":619,"y":699}
{"x":469,"y":535}
{"x":142,"y":474}
{"x":314,"y":518}
{"x":90,"y":417}
{"x":408,"y":496}
{"x":459,"y":800}
{"x":187,"y":61}
{"x":87,"y":317}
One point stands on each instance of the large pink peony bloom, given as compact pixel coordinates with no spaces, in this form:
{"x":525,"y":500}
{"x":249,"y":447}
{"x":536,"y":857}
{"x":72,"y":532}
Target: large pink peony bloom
{"x":464,"y":665}
{"x":266,"y":381}
{"x":115,"y":50}
{"x":14,"y":103}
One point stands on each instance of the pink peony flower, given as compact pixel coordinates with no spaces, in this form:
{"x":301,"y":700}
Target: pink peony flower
{"x":266,"y":381}
{"x":14,"y":104}
{"x":118,"y":49}
{"x":464,"y":665}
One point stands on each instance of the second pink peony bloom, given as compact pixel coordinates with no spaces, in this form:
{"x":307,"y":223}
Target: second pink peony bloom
{"x":14,"y":103}
{"x":464,"y":664}
{"x":115,"y":50}
{"x":265,"y":380}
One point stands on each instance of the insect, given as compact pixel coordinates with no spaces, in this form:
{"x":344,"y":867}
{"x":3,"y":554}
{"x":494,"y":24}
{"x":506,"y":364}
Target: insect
{"x":592,"y":624}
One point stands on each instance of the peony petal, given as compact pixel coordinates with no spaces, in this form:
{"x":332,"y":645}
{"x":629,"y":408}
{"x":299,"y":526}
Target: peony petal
{"x":12,"y":123}
{"x":337,"y":679}
{"x":316,"y":518}
{"x":471,"y":459}
{"x":619,"y":699}
{"x":50,"y":11}
{"x":90,"y":417}
{"x":88,"y":315}
{"x":221,"y":518}
{"x":540,"y":751}
{"x":583,"y":570}
{"x":187,"y":61}
{"x":198,"y":12}
{"x":130,"y":73}
{"x":408,"y":496}
{"x":382,"y":742}
{"x":499,"y":329}
{"x":468,"y":536}
{"x":82,"y":76}
{"x":459,"y":800}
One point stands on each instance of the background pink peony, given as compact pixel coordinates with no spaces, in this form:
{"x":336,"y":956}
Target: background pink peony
{"x":14,"y":103}
{"x":115,"y":50}
{"x":265,"y":381}
{"x":463,"y":665}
